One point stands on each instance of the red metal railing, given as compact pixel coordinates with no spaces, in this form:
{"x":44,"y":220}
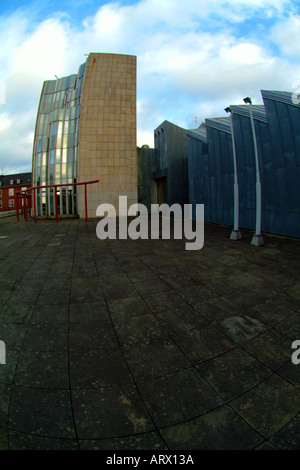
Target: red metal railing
{"x":23,"y":194}
{"x":24,"y":205}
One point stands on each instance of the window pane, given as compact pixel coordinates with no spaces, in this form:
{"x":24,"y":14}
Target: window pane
{"x":59,"y":127}
{"x":58,"y":142}
{"x":52,"y":157}
{"x":58,"y":155}
{"x":70,"y":168}
{"x":64,"y":171}
{"x":65,"y":141}
{"x":57,"y":174}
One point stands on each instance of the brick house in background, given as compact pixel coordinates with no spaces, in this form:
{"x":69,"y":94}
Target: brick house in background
{"x":9,"y":185}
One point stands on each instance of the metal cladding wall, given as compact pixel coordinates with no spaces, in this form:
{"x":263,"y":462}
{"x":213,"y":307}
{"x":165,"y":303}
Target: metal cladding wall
{"x":147,"y":162}
{"x":172,"y":161}
{"x":284,"y":121}
{"x":247,"y":172}
{"x":198,"y":172}
{"x":219,"y":206}
{"x":277,"y":130}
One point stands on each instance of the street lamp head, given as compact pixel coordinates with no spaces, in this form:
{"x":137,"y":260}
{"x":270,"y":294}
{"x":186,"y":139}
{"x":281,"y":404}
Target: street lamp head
{"x":248,"y":100}
{"x":228,"y":109}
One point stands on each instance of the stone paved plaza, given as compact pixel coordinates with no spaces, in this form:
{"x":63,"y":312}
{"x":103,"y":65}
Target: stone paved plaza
{"x":123,"y":344}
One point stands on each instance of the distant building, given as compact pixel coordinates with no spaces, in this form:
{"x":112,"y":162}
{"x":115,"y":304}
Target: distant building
{"x":146,"y":161}
{"x":86,"y":130}
{"x":163,"y":171}
{"x":170,"y":171}
{"x":9,"y":186}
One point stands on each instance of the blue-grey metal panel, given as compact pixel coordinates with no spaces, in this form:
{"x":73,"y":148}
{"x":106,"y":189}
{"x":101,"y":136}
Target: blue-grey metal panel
{"x":284,"y":121}
{"x":146,"y":160}
{"x":221,"y":123}
{"x":171,"y":145}
{"x":197,"y":167}
{"x":258,"y":111}
{"x":220,"y":174}
{"x":199,"y":134}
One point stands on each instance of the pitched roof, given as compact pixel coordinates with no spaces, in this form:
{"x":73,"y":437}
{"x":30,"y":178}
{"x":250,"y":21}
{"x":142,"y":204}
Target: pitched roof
{"x":24,"y":178}
{"x":199,"y":134}
{"x":283,"y":96}
{"x":220,"y":123}
{"x":258,"y":111}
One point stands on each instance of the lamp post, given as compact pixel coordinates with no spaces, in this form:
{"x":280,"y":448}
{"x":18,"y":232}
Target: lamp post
{"x":235,"y":234}
{"x":257,"y":239}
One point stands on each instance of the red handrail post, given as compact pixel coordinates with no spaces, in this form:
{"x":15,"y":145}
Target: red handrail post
{"x":17,"y":204}
{"x":34,"y":206}
{"x":55,"y":186}
{"x":25,"y":208}
{"x":55,"y":199}
{"x":85,"y":201}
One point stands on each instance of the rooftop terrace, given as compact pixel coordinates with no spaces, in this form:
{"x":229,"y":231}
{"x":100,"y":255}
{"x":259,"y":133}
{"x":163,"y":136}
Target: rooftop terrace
{"x":123,"y":344}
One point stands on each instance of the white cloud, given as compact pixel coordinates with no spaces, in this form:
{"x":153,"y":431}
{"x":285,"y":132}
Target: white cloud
{"x":286,"y":35}
{"x":43,"y":51}
{"x":145,"y":138}
{"x":190,"y":60}
{"x":4,"y":122}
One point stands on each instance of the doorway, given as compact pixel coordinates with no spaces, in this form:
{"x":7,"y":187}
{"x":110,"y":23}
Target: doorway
{"x":161,"y":190}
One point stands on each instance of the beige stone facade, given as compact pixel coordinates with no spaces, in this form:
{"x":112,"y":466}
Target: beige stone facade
{"x":107,"y":131}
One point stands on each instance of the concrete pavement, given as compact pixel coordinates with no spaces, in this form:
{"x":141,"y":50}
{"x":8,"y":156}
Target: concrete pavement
{"x":123,"y":344}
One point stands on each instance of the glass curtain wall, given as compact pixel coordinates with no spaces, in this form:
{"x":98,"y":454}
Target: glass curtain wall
{"x":56,"y":144}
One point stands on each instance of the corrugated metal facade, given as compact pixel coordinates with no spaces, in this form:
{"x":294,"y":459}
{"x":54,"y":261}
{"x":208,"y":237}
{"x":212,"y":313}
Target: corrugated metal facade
{"x":284,"y":122}
{"x":246,"y":166}
{"x":146,"y":160}
{"x":220,"y":170}
{"x":172,"y":161}
{"x":277,"y":129}
{"x":198,"y":165}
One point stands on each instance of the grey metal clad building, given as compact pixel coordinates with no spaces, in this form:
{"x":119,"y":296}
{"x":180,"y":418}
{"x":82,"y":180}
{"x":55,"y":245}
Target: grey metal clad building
{"x":283,"y":114}
{"x":198,"y":167}
{"x":210,"y":156}
{"x":146,"y":161}
{"x":246,"y":169}
{"x":219,"y":206}
{"x":171,"y":166}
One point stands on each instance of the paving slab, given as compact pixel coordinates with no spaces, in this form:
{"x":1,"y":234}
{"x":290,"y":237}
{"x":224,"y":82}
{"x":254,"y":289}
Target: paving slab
{"x":140,"y":344}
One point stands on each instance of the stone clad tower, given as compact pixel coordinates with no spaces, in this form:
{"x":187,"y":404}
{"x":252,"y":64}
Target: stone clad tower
{"x":107,"y":133}
{"x":86,"y":130}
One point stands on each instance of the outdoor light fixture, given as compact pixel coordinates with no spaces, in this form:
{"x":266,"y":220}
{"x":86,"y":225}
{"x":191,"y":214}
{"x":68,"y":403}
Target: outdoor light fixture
{"x":235,"y":234}
{"x":257,"y":239}
{"x":247,"y":100}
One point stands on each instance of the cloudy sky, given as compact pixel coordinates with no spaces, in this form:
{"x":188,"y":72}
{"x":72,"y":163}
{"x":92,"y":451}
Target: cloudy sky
{"x":195,"y":57}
